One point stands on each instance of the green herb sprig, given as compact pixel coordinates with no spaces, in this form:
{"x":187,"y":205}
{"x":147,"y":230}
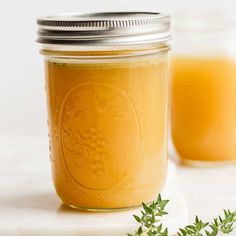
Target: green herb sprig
{"x":152,"y":214}
{"x":224,"y":225}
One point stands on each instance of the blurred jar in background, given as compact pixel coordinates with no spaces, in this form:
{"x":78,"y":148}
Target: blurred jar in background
{"x":203,"y":88}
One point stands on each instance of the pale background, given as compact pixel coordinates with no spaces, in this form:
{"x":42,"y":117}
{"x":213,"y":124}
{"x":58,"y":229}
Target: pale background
{"x":23,"y":104}
{"x":22,"y":100}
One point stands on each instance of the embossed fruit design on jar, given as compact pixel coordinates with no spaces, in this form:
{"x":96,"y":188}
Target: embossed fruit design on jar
{"x":107,"y":106}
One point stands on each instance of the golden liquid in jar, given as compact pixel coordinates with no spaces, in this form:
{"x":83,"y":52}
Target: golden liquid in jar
{"x":108,"y":131}
{"x":203,"y":108}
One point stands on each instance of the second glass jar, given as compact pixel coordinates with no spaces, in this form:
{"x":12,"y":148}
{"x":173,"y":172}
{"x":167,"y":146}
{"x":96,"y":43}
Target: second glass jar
{"x":203,"y":85}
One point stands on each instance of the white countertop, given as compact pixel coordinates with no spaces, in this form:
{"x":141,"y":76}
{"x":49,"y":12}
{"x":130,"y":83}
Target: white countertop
{"x":208,"y":190}
{"x":29,"y":205}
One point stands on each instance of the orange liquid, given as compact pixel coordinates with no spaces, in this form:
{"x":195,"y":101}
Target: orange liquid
{"x":203,"y":108}
{"x":108,"y":131}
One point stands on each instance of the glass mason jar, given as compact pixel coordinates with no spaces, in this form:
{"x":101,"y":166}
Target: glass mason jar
{"x":203,"y":88}
{"x":106,"y":85}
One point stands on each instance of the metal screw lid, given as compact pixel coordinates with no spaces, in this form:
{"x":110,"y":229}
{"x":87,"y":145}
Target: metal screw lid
{"x":108,"y":28}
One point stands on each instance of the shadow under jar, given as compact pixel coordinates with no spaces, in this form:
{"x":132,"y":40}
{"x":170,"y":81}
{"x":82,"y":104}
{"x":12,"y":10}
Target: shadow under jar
{"x":106,"y":85}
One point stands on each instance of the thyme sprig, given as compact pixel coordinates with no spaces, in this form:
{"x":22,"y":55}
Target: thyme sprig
{"x":224,"y":225}
{"x":193,"y":230}
{"x":152,"y":213}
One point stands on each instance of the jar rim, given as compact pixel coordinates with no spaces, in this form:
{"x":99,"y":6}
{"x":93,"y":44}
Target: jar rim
{"x":104,"y":28}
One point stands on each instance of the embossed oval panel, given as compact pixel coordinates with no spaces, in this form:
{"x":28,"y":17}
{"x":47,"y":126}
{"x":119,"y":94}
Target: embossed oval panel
{"x":99,"y":135}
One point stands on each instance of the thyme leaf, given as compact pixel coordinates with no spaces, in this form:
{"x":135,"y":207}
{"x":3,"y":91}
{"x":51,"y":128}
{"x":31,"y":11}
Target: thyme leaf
{"x":151,"y":214}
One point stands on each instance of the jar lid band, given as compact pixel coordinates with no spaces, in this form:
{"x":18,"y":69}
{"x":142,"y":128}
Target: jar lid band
{"x":114,"y":28}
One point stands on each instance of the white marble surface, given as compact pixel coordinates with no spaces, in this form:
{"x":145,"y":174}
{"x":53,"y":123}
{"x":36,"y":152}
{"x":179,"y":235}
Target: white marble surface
{"x":29,"y":205}
{"x":208,"y":190}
